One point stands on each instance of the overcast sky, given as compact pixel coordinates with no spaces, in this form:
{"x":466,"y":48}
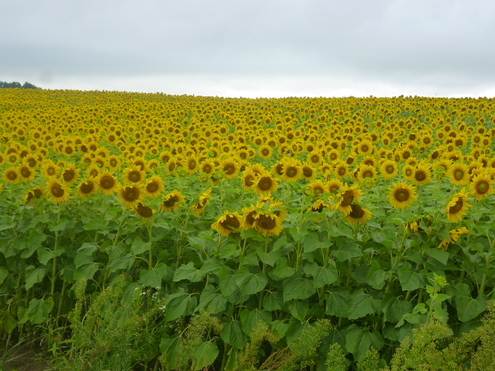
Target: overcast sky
{"x":252,"y":48}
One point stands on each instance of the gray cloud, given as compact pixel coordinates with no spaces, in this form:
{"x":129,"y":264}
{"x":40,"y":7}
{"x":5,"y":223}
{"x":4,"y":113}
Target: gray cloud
{"x":440,"y":45}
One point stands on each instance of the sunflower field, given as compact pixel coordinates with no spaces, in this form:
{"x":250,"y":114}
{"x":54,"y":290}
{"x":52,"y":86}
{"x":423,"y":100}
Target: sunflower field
{"x":162,"y":232}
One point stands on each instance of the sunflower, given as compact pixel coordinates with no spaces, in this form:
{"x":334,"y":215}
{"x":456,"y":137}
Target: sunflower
{"x":314,"y":158}
{"x":265,"y":151}
{"x":49,"y":169}
{"x":421,"y":174}
{"x":365,"y":147}
{"x":26,"y":173}
{"x":130,"y":195}
{"x":133,"y":174}
{"x":230,"y":168}
{"x":248,"y":216}
{"x":207,"y":167}
{"x":347,"y":196}
{"x":140,"y":162}
{"x":389,"y":169}
{"x":36,"y":192}
{"x":248,"y":178}
{"x":408,"y":172}
{"x":458,"y":174}
{"x":145,"y":211}
{"x":11,"y":175}
{"x":87,"y":187}
{"x":358,"y":214}
{"x":278,"y":168}
{"x":203,"y":200}
{"x":278,"y":208}
{"x":333,"y":155}
{"x":228,"y":223}
{"x":316,"y":188}
{"x":308,"y":172}
{"x":154,"y":186}
{"x":107,"y":183}
{"x":191,"y":164}
{"x":401,"y":195}
{"x":267,"y":223}
{"x":454,"y":236}
{"x":70,"y":173}
{"x":318,"y":206}
{"x":334,"y":186}
{"x":481,"y":186}
{"x":56,"y":191}
{"x":32,"y":161}
{"x":341,"y":169}
{"x":265,"y":184}
{"x":172,"y":201}
{"x":114,"y":162}
{"x":457,"y":206}
{"x":366,"y":171}
{"x":93,"y":171}
{"x":292,"y":170}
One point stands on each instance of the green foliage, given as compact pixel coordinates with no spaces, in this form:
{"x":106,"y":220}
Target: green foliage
{"x":196,"y":348}
{"x":116,"y":332}
{"x":432,"y":347}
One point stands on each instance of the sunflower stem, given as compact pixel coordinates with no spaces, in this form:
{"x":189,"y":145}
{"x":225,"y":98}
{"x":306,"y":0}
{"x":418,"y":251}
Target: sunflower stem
{"x":150,"y":239}
{"x":55,"y":246}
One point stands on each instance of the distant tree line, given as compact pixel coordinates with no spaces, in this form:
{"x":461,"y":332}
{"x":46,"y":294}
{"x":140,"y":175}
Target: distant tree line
{"x":16,"y":84}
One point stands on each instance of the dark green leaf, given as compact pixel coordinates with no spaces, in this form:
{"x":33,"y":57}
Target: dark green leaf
{"x":346,"y":250}
{"x":281,"y":270}
{"x":188,"y":272}
{"x":409,"y":279}
{"x":227,"y":281}
{"x":3,"y":274}
{"x":205,"y":355}
{"x":359,"y":341}
{"x":211,"y":265}
{"x":269,"y":258}
{"x":273,"y":300}
{"x":361,"y":305}
{"x":45,"y":255}
{"x":297,"y":287}
{"x":394,"y":308}
{"x":124,"y":262}
{"x":85,"y":253}
{"x":229,"y":250}
{"x":251,"y":318}
{"x":179,"y":305}
{"x":87,"y":271}
{"x":299,"y":309}
{"x":233,"y":335}
{"x":213,"y":301}
{"x":95,"y":225}
{"x":139,"y":246}
{"x":154,"y":277}
{"x":279,"y":328}
{"x":469,"y":308}
{"x":34,"y":276}
{"x":250,"y":283}
{"x":440,"y":255}
{"x":337,"y":303}
{"x":321,"y":276}
{"x":38,"y":311}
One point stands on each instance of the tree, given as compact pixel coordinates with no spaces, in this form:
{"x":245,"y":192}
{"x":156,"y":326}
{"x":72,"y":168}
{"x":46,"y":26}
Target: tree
{"x":15,"y":84}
